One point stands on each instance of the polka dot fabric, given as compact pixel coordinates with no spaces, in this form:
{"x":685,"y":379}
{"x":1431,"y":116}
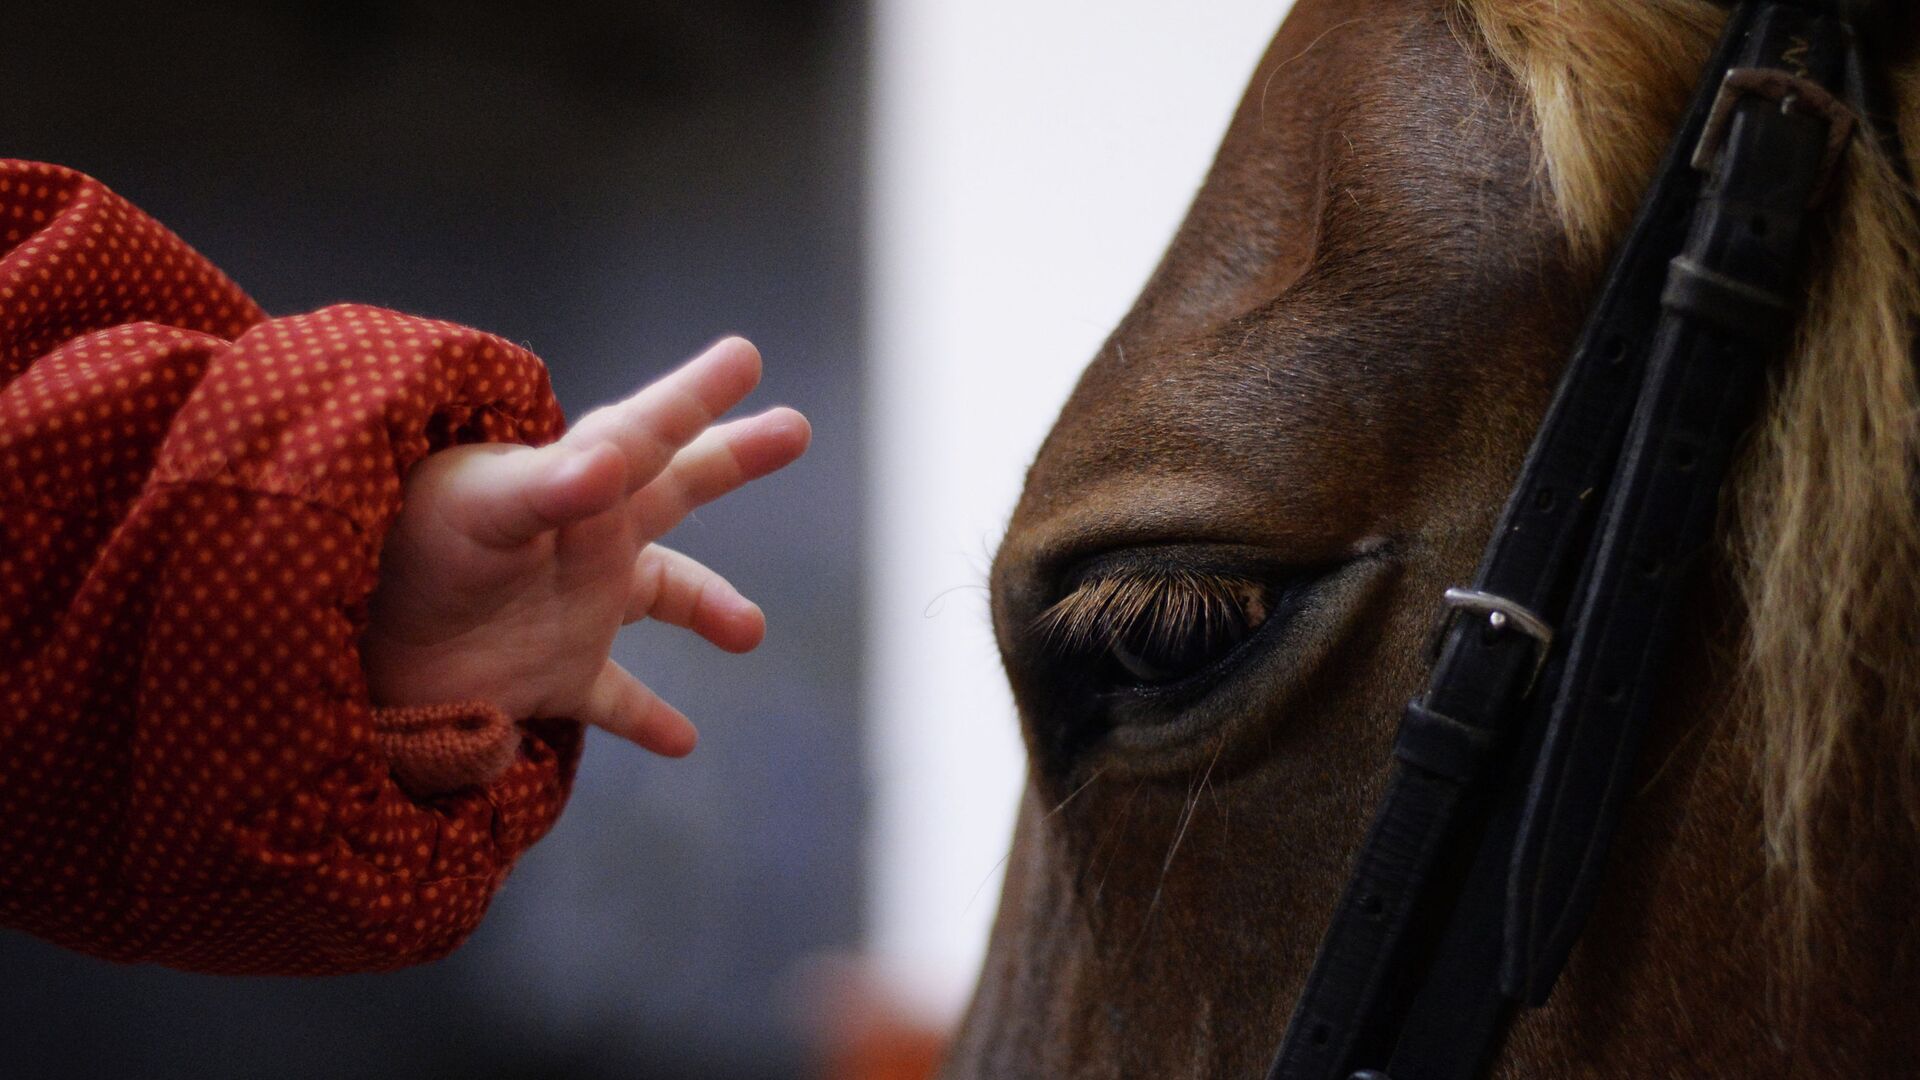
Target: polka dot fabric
{"x":192,"y":499}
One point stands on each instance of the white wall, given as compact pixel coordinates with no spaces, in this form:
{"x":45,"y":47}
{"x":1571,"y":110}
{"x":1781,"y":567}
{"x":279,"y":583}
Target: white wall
{"x":1031,"y":158}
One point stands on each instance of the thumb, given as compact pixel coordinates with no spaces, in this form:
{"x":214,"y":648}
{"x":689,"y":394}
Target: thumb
{"x":504,"y":496}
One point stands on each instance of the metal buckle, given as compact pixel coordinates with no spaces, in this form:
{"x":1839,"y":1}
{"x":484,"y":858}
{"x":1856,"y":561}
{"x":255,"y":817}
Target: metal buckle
{"x":1795,"y":93}
{"x":1502,"y":615}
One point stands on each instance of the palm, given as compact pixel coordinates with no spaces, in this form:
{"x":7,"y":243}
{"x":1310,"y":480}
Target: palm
{"x":510,"y":570}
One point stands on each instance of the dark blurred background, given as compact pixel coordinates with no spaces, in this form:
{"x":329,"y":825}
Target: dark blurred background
{"x":614,"y":184}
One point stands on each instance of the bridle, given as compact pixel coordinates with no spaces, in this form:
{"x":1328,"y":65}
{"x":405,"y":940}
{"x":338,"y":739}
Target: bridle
{"x":1486,"y":851}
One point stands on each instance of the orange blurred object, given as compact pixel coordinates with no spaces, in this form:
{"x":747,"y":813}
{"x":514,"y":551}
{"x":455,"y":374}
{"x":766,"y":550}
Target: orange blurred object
{"x":866,"y":1032}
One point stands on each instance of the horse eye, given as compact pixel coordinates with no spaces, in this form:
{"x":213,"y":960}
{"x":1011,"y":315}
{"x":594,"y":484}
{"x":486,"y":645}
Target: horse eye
{"x":1134,"y":633}
{"x":1155,"y":650}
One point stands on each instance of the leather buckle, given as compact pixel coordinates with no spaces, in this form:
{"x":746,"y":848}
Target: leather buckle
{"x":1794,"y":93}
{"x":1503,"y":615}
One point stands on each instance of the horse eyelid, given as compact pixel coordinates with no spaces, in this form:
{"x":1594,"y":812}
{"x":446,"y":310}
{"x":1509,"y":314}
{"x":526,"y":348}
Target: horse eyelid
{"x":1102,"y":610}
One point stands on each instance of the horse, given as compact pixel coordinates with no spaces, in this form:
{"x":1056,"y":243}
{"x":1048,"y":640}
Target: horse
{"x":1216,"y":587}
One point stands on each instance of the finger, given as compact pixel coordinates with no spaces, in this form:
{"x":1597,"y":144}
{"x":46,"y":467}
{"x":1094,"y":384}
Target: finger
{"x":720,"y":460}
{"x":622,"y":705}
{"x":505,"y":496}
{"x":681,"y":591}
{"x":652,"y":425}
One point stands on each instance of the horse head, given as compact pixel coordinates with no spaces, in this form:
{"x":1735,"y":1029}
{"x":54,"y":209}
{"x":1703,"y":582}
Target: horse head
{"x":1218,"y":587}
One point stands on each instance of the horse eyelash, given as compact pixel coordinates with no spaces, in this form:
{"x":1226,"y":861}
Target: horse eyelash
{"x":1103,"y":611}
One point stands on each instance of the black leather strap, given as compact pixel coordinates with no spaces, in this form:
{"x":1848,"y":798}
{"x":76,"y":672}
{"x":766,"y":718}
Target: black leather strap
{"x":1701,"y":390}
{"x":1442,"y":745}
{"x":1701,"y":395}
{"x":1481,"y":861}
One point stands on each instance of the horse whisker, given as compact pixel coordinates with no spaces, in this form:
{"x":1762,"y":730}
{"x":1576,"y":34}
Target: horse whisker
{"x":1194,"y":795}
{"x":1126,"y":813}
{"x":1076,"y":792}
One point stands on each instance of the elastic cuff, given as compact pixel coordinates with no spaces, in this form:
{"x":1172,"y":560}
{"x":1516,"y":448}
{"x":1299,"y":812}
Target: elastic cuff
{"x":435,"y":749}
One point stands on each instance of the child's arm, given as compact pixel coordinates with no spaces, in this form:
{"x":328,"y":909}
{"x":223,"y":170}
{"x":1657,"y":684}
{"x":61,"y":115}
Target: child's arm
{"x":193,"y":505}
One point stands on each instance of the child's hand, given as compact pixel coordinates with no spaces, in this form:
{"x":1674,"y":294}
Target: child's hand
{"x":510,"y":569}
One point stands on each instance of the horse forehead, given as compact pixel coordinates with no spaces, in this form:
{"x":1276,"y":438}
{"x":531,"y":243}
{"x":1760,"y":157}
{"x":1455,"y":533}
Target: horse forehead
{"x":1373,"y":171}
{"x":1368,"y":113}
{"x":1375,"y":182}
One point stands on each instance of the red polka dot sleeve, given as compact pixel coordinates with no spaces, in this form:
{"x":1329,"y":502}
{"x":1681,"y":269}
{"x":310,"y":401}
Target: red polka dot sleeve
{"x":192,"y":498}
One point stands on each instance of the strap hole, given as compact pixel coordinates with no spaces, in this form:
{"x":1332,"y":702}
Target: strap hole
{"x":1650,"y":566}
{"x":1543,"y":500}
{"x":1615,"y":350}
{"x":1684,"y":458}
{"x":1320,"y":1034}
{"x":1614,"y":694}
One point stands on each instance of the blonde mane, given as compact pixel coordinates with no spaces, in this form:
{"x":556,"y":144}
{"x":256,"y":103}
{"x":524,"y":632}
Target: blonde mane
{"x":1821,"y":526}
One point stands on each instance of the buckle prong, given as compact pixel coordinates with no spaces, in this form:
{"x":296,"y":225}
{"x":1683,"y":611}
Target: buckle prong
{"x":1503,"y":614}
{"x":1794,"y":93}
